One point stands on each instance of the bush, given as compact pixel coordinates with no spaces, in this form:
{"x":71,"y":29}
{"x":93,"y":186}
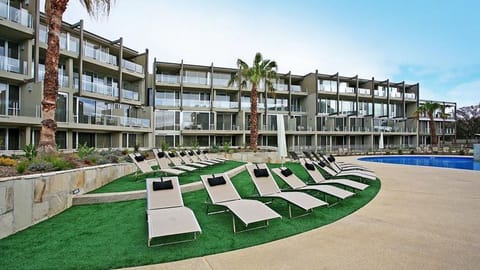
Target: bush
{"x":40,"y":165}
{"x":6,"y":161}
{"x":84,"y":150}
{"x":226,"y":147}
{"x":30,"y":151}
{"x":461,"y":152}
{"x":400,"y":151}
{"x":412,"y":152}
{"x":22,"y":166}
{"x":59,"y":163}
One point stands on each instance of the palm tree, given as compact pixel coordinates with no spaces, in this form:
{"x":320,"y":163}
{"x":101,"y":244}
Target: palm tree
{"x":54,"y":10}
{"x":429,"y":108}
{"x":261,"y":70}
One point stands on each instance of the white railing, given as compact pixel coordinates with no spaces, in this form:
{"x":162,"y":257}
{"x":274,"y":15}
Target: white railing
{"x":134,"y":67}
{"x":296,"y":88}
{"x":196,"y":80}
{"x":98,"y":88}
{"x":130,"y":94}
{"x":409,"y":95}
{"x":363,"y":91}
{"x":225,"y":104}
{"x":196,"y":103}
{"x":100,"y":56}
{"x":111,"y":120}
{"x":12,"y":65}
{"x":20,"y":16}
{"x":167,"y":78}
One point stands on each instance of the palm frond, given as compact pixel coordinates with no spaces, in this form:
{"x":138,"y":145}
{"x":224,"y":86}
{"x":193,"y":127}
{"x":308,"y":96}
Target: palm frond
{"x":96,"y":8}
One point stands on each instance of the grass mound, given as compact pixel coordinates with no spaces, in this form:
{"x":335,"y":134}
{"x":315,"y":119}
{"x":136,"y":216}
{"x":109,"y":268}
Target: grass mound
{"x":114,"y":235}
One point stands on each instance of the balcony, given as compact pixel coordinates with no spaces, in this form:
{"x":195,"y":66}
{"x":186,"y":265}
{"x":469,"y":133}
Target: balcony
{"x":280,"y":87}
{"x":12,"y":65}
{"x":380,"y":93}
{"x":196,"y":80}
{"x":167,"y":78}
{"x":227,"y":127}
{"x":296,"y":88}
{"x":62,"y":79}
{"x":167,"y":102}
{"x":131,"y":66}
{"x":98,"y":88}
{"x":363,"y":91}
{"x":100,"y":56}
{"x":196,"y":103}
{"x":326,"y":88}
{"x":347,"y":90}
{"x":223,"y":82}
{"x":396,"y":95}
{"x":130,"y":94}
{"x":225,"y":104}
{"x":409,"y":95}
{"x":20,"y":16}
{"x":111,"y":120}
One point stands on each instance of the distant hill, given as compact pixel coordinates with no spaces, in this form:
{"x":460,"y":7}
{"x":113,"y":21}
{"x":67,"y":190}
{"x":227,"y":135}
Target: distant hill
{"x":468,"y":112}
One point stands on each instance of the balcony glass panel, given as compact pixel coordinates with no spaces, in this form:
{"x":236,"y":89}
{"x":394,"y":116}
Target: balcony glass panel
{"x":296,"y":88}
{"x":196,"y":77}
{"x":130,"y":94}
{"x":225,"y":104}
{"x":196,"y":103}
{"x":12,"y":65}
{"x":363,"y":91}
{"x":167,"y":78}
{"x":409,"y":95}
{"x":221,"y":79}
{"x":134,"y":67}
{"x":97,"y":54}
{"x":13,"y":14}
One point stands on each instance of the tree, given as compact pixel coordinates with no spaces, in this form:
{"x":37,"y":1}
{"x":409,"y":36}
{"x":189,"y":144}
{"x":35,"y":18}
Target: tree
{"x":54,"y":10}
{"x":429,"y":108}
{"x":467,"y":125}
{"x":261,"y":70}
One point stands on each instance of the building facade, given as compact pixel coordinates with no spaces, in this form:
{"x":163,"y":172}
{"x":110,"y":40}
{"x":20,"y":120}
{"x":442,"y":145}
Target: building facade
{"x":107,"y":98}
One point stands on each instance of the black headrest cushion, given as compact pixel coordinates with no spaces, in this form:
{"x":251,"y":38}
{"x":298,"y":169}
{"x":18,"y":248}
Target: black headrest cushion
{"x":139,"y":157}
{"x":322,"y":164}
{"x":287,"y":172}
{"x":170,"y":154}
{"x":331,"y":158}
{"x":310,"y":166}
{"x":182,"y":154}
{"x":260,"y":172}
{"x":190,"y":153}
{"x":162,"y":185}
{"x":215,"y":181}
{"x":161,"y":154}
{"x":199,"y":152}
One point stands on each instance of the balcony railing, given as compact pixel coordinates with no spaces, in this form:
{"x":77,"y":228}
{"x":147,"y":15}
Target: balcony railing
{"x":363,"y":91}
{"x":134,"y":67}
{"x":223,"y":126}
{"x":409,"y":95}
{"x":280,"y":87}
{"x":100,"y":56}
{"x":196,"y":103}
{"x":12,"y":65}
{"x":167,"y":102}
{"x":130,"y":94}
{"x":325,"y":88}
{"x":62,"y":79}
{"x":380,"y":93}
{"x":225,"y":104}
{"x":111,"y":120}
{"x":167,"y":78}
{"x":20,"y":16}
{"x":98,"y":88}
{"x":196,"y":80}
{"x":223,"y":82}
{"x":296,"y":88}
{"x":396,"y":95}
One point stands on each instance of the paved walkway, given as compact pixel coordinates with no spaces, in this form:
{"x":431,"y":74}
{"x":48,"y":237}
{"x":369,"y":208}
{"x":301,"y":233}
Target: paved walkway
{"x":422,"y":218}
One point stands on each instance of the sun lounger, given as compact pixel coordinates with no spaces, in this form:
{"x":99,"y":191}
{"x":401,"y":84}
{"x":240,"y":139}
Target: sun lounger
{"x":163,"y":163}
{"x":221,"y":192}
{"x":295,"y":183}
{"x":194,"y":158}
{"x":203,"y":157}
{"x":334,"y":173}
{"x":268,"y":188}
{"x":166,"y":213}
{"x":173,"y":158}
{"x":187,"y":160}
{"x":318,"y":178}
{"x":142,"y":164}
{"x":330,"y":160}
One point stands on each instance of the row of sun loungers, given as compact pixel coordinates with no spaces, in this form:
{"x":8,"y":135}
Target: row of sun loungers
{"x":168,"y":216}
{"x":183,"y":161}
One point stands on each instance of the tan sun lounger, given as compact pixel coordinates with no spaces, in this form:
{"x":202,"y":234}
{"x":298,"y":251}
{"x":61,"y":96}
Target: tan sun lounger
{"x":268,"y":188}
{"x":187,"y":160}
{"x":203,"y":157}
{"x":318,"y":178}
{"x":335,"y":173}
{"x":163,"y":159}
{"x":163,"y":164}
{"x":142,"y":164}
{"x":166,"y":213}
{"x":191,"y":154}
{"x":247,"y":211}
{"x":295,"y":183}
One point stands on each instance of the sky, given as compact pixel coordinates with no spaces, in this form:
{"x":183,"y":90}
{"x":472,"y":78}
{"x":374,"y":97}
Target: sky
{"x":433,"y":42}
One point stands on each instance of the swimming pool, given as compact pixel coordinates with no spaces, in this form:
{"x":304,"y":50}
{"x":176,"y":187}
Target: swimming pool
{"x":466,"y":163}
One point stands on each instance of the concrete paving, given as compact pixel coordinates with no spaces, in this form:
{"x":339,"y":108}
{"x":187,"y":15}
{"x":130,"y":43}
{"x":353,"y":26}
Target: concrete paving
{"x":422,"y":218}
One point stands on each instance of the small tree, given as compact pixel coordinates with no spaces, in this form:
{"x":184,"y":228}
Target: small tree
{"x":262,"y":69}
{"x":429,"y":108}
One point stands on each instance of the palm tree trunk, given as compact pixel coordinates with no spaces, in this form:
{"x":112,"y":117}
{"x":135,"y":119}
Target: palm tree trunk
{"x":54,"y":11}
{"x":433,"y":130}
{"x":253,"y":118}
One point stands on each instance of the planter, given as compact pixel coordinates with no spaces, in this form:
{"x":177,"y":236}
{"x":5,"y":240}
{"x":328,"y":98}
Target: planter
{"x":29,"y":199}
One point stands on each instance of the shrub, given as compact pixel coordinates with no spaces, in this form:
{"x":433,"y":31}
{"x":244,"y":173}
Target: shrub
{"x":226,"y":147}
{"x":84,"y":150}
{"x":22,"y":166}
{"x":6,"y":161}
{"x":40,"y":165}
{"x":412,"y":152}
{"x":30,"y":151}
{"x":400,"y":151}
{"x":59,"y":163}
{"x":461,"y":152}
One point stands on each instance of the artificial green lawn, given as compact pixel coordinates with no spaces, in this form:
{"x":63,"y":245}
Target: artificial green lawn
{"x":114,"y":235}
{"x":129,"y":183}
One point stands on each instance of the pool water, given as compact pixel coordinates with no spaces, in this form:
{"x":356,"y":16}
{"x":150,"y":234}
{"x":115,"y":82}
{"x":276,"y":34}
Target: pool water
{"x":466,"y":163}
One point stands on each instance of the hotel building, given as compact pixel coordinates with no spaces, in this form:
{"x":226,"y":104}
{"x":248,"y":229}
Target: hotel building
{"x":107,"y":98}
